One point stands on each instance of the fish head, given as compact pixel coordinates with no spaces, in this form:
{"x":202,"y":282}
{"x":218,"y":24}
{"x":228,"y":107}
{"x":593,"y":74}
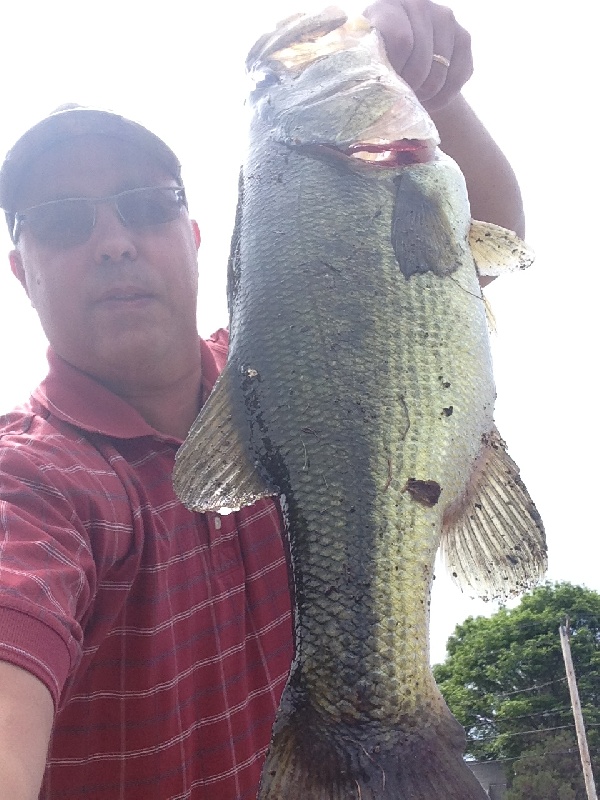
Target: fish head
{"x":325,"y":80}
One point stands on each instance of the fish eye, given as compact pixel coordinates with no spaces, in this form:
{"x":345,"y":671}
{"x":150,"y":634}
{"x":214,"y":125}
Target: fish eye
{"x":265,"y":79}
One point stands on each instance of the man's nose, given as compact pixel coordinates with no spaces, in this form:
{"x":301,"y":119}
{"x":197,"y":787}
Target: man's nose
{"x":113,"y":240}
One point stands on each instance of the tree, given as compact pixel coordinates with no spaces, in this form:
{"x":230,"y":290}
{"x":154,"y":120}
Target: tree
{"x":550,"y":770}
{"x":504,"y":680}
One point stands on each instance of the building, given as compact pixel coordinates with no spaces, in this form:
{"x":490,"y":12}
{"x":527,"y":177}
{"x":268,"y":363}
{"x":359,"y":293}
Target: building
{"x":491,"y":776}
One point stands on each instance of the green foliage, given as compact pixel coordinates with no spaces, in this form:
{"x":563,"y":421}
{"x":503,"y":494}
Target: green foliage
{"x":550,"y":770}
{"x":504,"y":680}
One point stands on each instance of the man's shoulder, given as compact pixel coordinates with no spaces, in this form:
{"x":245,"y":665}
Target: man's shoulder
{"x":37,"y":446}
{"x":25,"y":422}
{"x":46,"y":461}
{"x":31,"y":422}
{"x":17,"y":421}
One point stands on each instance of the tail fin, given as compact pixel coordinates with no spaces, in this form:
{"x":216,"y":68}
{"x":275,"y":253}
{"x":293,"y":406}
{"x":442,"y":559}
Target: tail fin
{"x":312,"y":758}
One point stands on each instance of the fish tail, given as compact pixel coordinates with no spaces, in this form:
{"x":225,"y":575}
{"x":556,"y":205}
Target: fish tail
{"x":311,"y":757}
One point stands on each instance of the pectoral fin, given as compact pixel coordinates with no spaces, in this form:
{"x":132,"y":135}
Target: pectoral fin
{"x":422,"y":234}
{"x":497,"y":250}
{"x":217,"y":467}
{"x":493,"y":541}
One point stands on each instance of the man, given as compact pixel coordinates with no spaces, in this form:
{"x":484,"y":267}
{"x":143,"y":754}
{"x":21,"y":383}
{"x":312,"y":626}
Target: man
{"x":143,"y":648}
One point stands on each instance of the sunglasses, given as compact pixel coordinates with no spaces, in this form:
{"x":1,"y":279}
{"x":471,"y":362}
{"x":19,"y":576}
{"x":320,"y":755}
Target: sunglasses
{"x":70,"y":221}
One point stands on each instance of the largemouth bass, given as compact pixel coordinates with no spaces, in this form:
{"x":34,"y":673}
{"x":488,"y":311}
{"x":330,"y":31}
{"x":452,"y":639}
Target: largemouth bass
{"x":359,"y":388}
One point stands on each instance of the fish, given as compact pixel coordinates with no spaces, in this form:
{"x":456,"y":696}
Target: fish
{"x":359,"y":391}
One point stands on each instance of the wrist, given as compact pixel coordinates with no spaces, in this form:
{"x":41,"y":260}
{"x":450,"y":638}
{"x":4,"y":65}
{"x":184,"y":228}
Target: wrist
{"x":450,"y":112}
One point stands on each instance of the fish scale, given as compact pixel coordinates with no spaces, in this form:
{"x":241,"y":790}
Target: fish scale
{"x":359,"y":387}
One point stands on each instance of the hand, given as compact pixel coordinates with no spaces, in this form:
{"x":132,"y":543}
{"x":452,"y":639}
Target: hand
{"x":415,"y":30}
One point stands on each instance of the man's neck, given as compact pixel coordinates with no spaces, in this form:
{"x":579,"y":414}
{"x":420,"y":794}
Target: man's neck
{"x":169,"y":403}
{"x":170,"y":410}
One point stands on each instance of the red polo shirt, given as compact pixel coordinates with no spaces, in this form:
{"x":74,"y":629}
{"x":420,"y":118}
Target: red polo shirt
{"x":163,"y":635}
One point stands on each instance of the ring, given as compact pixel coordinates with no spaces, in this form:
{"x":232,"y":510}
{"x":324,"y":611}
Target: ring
{"x":441,"y":60}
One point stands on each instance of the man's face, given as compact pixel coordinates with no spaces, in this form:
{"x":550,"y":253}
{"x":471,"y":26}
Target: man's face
{"x":123,"y":301}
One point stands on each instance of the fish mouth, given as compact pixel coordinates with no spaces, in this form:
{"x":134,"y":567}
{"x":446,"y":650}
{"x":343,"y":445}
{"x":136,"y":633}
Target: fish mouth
{"x":392,"y":154}
{"x":382,"y":154}
{"x":326,"y":80}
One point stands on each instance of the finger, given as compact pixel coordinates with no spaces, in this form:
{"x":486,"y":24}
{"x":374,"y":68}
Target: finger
{"x":444,"y":26}
{"x":458,"y":73}
{"x":416,"y":30}
{"x":418,"y":65}
{"x":392,"y":22}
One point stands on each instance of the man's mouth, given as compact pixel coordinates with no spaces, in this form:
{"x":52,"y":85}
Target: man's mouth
{"x":126,"y":294}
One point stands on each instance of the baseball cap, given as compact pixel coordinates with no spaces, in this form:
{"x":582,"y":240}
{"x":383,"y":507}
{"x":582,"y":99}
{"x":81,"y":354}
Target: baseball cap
{"x":67,"y":122}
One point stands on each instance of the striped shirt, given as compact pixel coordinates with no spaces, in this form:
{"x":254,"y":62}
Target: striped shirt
{"x":164,"y":636}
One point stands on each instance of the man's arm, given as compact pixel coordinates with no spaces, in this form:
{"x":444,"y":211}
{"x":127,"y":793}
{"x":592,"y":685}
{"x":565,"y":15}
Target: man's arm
{"x":494,"y":192}
{"x":414,"y":32}
{"x":26,"y":716}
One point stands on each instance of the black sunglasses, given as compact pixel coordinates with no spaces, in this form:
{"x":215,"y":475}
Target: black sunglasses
{"x":70,"y":221}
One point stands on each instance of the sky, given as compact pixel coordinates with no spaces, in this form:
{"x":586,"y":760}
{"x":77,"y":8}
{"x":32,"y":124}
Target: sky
{"x":180,"y":72}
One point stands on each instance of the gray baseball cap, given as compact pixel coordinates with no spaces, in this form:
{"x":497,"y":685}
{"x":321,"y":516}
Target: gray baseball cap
{"x":67,"y":122}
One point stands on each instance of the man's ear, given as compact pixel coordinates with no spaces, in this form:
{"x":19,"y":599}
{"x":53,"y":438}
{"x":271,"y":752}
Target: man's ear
{"x":17,"y":269}
{"x":196,"y":231}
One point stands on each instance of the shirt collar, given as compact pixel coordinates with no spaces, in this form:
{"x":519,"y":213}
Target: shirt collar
{"x":75,"y":397}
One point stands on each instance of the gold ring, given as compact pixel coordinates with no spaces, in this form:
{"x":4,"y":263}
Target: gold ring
{"x":441,"y":60}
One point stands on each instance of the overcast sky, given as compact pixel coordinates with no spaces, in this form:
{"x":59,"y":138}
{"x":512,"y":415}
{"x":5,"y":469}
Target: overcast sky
{"x":180,"y":72}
